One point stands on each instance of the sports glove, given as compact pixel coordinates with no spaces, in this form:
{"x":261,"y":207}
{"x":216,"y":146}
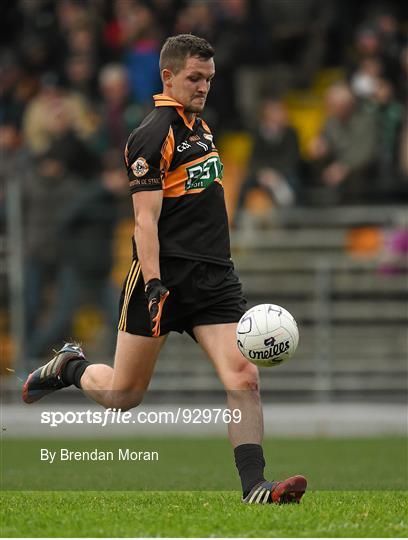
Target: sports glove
{"x":156,"y":294}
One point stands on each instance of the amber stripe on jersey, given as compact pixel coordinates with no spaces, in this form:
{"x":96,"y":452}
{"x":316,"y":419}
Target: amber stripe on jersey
{"x":167,"y":151}
{"x":160,"y":100}
{"x":131,"y":281}
{"x":205,"y":126}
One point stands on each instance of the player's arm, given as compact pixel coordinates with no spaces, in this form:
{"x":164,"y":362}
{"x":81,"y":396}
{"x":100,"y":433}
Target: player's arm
{"x":147,"y":161}
{"x":147,"y":207}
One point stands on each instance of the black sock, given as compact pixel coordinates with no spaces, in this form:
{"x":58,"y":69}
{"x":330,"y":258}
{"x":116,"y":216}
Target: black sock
{"x":73,"y":371}
{"x":250,"y":464}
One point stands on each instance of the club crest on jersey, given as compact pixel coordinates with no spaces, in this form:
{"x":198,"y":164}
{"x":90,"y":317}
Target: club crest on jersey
{"x":140,"y":167}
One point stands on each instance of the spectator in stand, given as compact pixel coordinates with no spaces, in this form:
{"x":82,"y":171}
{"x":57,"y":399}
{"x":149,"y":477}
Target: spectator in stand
{"x":15,"y":166}
{"x":70,"y":13}
{"x":166,"y":12}
{"x":83,"y":40}
{"x":34,"y":53}
{"x":53,"y":105}
{"x":119,"y":115}
{"x":343,"y":153}
{"x":80,"y":76}
{"x":86,"y":224}
{"x":297,"y":36}
{"x":36,"y":35}
{"x":46,"y":195}
{"x":235,"y":46}
{"x":391,"y":42}
{"x":378,"y":38}
{"x":388,"y":114}
{"x":198,"y":17}
{"x":364,"y":79}
{"x":275,"y":159}
{"x":141,"y":41}
{"x":81,"y":45}
{"x":394,"y":257}
{"x":403,"y":154}
{"x":227,"y":28}
{"x":15,"y":162}
{"x":402,"y":83}
{"x":17,"y":87}
{"x":79,"y":25}
{"x":134,"y":37}
{"x":75,"y":154}
{"x":367,"y":44}
{"x":64,"y":141}
{"x":113,"y":35}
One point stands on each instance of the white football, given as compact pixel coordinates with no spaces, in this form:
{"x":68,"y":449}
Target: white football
{"x":267,"y":335}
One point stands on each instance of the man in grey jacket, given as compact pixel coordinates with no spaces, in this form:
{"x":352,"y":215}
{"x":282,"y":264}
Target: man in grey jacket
{"x":343,"y":152}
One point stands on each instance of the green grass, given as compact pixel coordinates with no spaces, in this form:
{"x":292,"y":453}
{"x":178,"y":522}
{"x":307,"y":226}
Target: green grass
{"x":358,"y":488}
{"x":180,"y":514}
{"x":206,"y":464}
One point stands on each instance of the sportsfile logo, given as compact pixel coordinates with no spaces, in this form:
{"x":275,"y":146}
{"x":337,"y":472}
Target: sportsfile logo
{"x":109,"y":417}
{"x":203,"y":174}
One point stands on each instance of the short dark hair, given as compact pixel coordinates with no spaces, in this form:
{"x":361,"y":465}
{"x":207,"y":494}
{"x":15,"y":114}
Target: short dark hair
{"x":177,"y":49}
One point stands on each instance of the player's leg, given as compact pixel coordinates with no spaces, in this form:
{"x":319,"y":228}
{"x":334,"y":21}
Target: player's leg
{"x":239,"y":378}
{"x":241,"y":382}
{"x":122,"y":386}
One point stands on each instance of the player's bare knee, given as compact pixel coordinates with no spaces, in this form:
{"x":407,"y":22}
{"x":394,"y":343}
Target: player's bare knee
{"x":124,"y":400}
{"x":245,"y":376}
{"x":250,"y":376}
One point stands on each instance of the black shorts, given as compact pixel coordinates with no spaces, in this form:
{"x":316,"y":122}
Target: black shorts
{"x":200,"y":293}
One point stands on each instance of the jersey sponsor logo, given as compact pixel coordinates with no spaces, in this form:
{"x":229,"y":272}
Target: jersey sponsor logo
{"x":183,"y":146}
{"x":201,"y":175}
{"x":140,"y":167}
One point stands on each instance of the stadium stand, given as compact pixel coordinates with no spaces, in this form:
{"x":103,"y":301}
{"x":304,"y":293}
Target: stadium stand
{"x":352,"y":317}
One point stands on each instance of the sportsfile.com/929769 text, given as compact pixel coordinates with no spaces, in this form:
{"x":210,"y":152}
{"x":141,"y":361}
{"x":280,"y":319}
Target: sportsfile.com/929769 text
{"x":117,"y":416}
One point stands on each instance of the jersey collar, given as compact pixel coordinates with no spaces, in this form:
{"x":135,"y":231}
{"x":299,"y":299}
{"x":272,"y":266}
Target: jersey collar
{"x":161,"y":100}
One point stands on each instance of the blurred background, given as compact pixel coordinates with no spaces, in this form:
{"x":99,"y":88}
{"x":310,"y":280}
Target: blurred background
{"x":309,"y":110}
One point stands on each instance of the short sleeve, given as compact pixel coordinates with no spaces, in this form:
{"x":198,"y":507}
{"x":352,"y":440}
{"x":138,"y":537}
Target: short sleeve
{"x":143,"y":161}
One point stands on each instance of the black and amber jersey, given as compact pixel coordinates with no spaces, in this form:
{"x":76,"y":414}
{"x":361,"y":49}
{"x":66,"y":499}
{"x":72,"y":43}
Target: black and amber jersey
{"x":170,"y":153}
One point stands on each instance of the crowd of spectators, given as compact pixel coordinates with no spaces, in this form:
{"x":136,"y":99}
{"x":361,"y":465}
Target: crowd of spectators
{"x":360,"y":155}
{"x":77,"y":76}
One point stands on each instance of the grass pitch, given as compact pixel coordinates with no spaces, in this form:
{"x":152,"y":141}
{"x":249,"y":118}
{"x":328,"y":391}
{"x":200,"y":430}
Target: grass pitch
{"x":358,"y":488}
{"x":198,"y":514}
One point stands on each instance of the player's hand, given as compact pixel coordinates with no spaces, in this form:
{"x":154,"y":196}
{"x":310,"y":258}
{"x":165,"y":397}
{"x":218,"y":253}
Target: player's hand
{"x":156,"y":294}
